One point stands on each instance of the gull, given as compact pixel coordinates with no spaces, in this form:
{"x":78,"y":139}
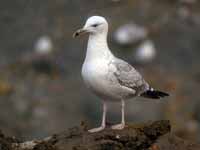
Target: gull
{"x":146,"y":52}
{"x":44,"y":45}
{"x":110,"y":78}
{"x":130,"y":34}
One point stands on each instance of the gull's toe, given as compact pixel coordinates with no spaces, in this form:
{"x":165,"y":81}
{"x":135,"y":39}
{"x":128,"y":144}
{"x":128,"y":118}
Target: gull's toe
{"x":118,"y":126}
{"x":96,"y":129}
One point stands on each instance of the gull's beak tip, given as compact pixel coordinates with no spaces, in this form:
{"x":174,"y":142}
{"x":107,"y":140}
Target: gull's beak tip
{"x":75,"y":34}
{"x":79,"y":32}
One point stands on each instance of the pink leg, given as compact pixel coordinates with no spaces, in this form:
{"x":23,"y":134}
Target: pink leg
{"x":103,"y":123}
{"x":122,"y":124}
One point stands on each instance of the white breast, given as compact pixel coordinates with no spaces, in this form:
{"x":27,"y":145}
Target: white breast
{"x":95,"y":77}
{"x":94,"y":73}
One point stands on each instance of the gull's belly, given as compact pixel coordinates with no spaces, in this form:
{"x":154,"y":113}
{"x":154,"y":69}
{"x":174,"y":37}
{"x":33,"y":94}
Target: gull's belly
{"x":96,"y":77}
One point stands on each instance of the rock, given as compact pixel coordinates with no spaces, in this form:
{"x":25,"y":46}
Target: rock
{"x":6,"y":143}
{"x":139,"y":137}
{"x":172,"y":142}
{"x":148,"y":136}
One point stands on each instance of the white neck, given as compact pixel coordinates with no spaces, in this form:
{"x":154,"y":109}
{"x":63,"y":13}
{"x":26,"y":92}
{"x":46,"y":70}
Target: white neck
{"x":97,"y":47}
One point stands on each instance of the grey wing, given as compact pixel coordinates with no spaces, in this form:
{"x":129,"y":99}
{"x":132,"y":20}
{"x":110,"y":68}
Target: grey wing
{"x":127,"y":76}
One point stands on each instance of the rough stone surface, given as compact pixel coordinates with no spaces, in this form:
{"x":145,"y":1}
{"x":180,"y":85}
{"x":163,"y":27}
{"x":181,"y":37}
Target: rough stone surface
{"x":147,"y":136}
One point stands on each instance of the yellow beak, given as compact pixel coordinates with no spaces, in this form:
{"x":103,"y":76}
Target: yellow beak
{"x":79,"y":32}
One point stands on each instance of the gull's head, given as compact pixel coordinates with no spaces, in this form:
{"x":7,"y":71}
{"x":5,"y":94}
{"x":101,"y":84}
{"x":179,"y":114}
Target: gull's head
{"x":94,"y":25}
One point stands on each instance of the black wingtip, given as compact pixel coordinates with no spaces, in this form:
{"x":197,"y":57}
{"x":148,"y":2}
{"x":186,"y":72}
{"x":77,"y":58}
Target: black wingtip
{"x":154,"y":94}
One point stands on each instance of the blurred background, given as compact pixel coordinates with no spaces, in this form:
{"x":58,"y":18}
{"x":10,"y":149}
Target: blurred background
{"x":41,"y":90}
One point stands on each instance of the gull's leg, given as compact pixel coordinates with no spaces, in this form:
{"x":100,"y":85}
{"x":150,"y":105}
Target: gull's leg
{"x":122,"y":124}
{"x":103,"y":123}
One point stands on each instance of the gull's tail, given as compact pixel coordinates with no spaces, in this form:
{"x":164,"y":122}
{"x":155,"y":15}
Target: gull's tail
{"x":154,"y":94}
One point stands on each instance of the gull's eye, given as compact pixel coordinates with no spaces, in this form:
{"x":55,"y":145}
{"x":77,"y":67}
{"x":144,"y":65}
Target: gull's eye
{"x":95,"y":25}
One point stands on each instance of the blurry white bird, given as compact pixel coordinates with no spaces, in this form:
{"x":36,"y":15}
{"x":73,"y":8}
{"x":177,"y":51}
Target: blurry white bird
{"x":43,"y":45}
{"x":109,"y":77}
{"x":145,"y":52}
{"x":129,"y":34}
